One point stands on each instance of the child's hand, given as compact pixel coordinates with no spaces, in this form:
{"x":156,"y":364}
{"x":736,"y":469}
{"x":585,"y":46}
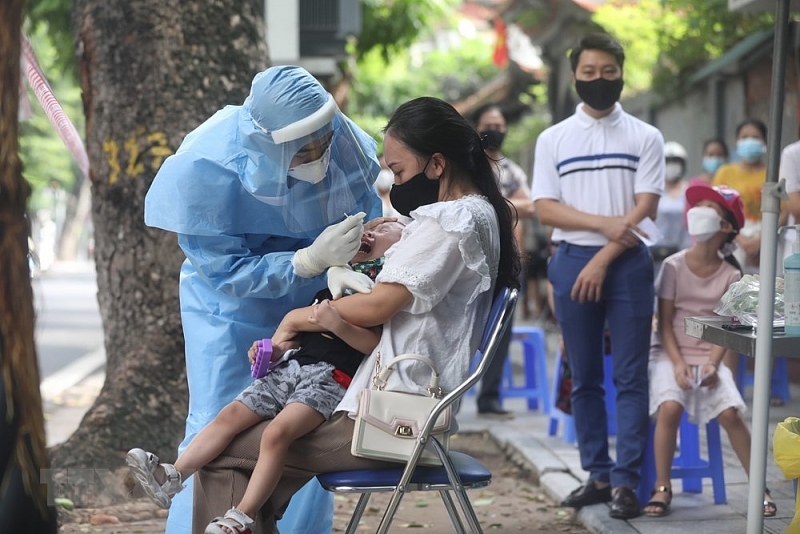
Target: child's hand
{"x":253,"y":351}
{"x":279,"y":349}
{"x":710,"y":376}
{"x":684,"y":376}
{"x":325,"y":315}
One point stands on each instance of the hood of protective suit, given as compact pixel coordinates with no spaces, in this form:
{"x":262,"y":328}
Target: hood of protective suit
{"x":230,"y":175}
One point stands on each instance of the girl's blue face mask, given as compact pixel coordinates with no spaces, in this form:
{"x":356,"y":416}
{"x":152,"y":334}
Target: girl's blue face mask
{"x":750,"y":149}
{"x":712,"y":163}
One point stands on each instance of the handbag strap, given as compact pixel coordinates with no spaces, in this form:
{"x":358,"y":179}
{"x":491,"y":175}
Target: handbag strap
{"x":382,"y":376}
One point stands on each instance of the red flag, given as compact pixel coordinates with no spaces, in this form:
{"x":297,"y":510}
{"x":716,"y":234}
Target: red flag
{"x":500,"y":54}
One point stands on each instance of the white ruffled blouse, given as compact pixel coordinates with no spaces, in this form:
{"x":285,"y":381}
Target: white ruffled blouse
{"x":447,"y":258}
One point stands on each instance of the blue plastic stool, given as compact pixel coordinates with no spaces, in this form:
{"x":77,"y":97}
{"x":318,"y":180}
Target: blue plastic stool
{"x":688,"y":465}
{"x":556,"y":415}
{"x":534,"y":357}
{"x":780,"y":377}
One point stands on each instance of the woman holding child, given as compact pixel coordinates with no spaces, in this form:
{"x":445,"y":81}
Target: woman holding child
{"x":432,"y":297}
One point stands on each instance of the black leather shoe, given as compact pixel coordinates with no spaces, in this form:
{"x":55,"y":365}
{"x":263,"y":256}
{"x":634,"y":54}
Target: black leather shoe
{"x":586,"y":495}
{"x":494,"y":410}
{"x":624,"y":504}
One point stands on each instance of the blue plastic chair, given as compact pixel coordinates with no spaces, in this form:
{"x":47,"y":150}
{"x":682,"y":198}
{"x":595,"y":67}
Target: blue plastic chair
{"x":688,"y":465}
{"x":557,"y":416}
{"x":458,"y":471}
{"x":534,"y":358}
{"x":780,"y":377}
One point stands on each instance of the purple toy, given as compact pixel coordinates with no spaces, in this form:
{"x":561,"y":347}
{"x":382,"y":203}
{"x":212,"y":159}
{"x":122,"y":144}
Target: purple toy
{"x":262,"y":365}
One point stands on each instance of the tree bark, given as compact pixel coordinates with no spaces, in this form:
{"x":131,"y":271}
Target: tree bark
{"x":23,"y":501}
{"x":150,"y":71}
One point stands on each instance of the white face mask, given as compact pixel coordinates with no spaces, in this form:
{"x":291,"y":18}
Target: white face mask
{"x":314,"y":171}
{"x":673,"y":171}
{"x":703,"y":222}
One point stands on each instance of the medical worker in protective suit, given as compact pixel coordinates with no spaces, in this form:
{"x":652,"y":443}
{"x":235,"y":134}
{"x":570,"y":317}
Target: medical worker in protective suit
{"x":264,"y":198}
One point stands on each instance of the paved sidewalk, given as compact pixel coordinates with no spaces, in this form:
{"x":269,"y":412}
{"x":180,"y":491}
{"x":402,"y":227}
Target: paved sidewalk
{"x":556,"y":463}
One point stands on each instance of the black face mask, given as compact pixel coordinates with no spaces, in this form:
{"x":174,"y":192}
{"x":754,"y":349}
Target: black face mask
{"x":418,"y":191}
{"x":599,"y":94}
{"x":494,"y":138}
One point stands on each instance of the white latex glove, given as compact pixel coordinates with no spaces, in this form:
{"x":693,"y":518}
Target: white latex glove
{"x":336,"y":245}
{"x":343,"y":277}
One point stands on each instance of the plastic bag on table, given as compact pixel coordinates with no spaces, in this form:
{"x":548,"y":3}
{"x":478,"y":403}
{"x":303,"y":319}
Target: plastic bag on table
{"x":741,"y":301}
{"x":786,"y":450}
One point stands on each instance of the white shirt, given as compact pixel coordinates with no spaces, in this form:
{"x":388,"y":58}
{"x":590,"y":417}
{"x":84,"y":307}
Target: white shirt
{"x":597,"y":166}
{"x":789,"y":171}
{"x":448,"y":259}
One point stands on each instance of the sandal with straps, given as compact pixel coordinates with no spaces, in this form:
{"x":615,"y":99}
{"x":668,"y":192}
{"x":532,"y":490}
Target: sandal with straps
{"x":143,"y":466}
{"x":770,"y":508}
{"x":233,"y":522}
{"x":662,"y":508}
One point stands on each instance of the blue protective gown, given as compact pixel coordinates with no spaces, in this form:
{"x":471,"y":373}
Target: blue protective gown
{"x":237,"y":281}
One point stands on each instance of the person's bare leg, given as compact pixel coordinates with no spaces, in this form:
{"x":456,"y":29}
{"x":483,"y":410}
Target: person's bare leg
{"x":212,"y":440}
{"x":294,"y":421}
{"x":739,"y":435}
{"x":664,"y":442}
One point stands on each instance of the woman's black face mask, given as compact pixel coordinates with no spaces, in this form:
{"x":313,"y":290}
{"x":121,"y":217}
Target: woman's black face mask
{"x":418,"y":191}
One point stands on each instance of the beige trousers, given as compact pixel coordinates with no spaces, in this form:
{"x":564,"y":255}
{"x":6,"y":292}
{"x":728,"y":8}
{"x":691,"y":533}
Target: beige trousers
{"x":221,"y":484}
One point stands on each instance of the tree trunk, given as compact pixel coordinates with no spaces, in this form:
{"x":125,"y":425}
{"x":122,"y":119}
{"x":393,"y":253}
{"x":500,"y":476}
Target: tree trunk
{"x":23,"y":501}
{"x":150,"y":71}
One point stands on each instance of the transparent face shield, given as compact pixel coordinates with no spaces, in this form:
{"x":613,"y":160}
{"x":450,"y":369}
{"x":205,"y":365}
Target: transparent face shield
{"x":311,"y":172}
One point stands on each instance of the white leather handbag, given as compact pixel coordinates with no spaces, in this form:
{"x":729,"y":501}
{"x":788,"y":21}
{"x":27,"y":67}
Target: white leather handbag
{"x":388,"y":422}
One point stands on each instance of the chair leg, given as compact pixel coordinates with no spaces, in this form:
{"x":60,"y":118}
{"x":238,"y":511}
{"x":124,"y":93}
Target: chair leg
{"x":469,"y":513}
{"x":391,"y":509}
{"x":355,"y":519}
{"x":452,"y":511}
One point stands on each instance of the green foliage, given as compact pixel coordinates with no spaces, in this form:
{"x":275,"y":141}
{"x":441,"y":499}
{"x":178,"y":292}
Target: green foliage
{"x":379,"y":87}
{"x":391,"y":26}
{"x":54,"y":17}
{"x":667,"y":40}
{"x":522,"y":135}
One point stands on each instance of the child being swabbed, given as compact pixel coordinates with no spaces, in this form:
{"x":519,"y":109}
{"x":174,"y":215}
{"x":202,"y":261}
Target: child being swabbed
{"x":300,"y":393}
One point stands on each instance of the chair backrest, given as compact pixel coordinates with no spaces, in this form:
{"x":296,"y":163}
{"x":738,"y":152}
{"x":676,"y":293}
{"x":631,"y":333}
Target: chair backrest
{"x":499,"y":320}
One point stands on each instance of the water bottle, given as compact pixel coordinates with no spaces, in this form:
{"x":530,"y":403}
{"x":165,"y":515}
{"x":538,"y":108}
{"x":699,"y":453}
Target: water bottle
{"x":791,"y":291}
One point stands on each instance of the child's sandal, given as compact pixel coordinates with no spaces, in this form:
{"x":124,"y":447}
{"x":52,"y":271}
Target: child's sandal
{"x":662,"y":508}
{"x":770,"y":508}
{"x":143,"y":467}
{"x":234,"y":522}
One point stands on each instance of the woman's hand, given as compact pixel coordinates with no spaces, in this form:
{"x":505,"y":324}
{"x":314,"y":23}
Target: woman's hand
{"x":710,"y":376}
{"x":684,"y":376}
{"x":326,"y":316}
{"x":588,"y":286}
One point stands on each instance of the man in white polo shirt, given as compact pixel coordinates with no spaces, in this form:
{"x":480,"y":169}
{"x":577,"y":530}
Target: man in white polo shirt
{"x":596,"y":175}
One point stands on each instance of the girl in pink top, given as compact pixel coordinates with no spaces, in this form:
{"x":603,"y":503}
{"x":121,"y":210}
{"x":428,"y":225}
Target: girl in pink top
{"x":685,"y":372}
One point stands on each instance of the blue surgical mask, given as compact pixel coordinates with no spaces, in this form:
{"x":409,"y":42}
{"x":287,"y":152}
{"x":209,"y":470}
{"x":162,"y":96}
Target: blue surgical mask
{"x":750,"y":149}
{"x":711,"y":164}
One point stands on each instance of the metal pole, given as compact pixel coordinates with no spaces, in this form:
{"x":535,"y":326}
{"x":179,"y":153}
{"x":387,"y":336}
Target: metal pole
{"x":770,"y":208}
